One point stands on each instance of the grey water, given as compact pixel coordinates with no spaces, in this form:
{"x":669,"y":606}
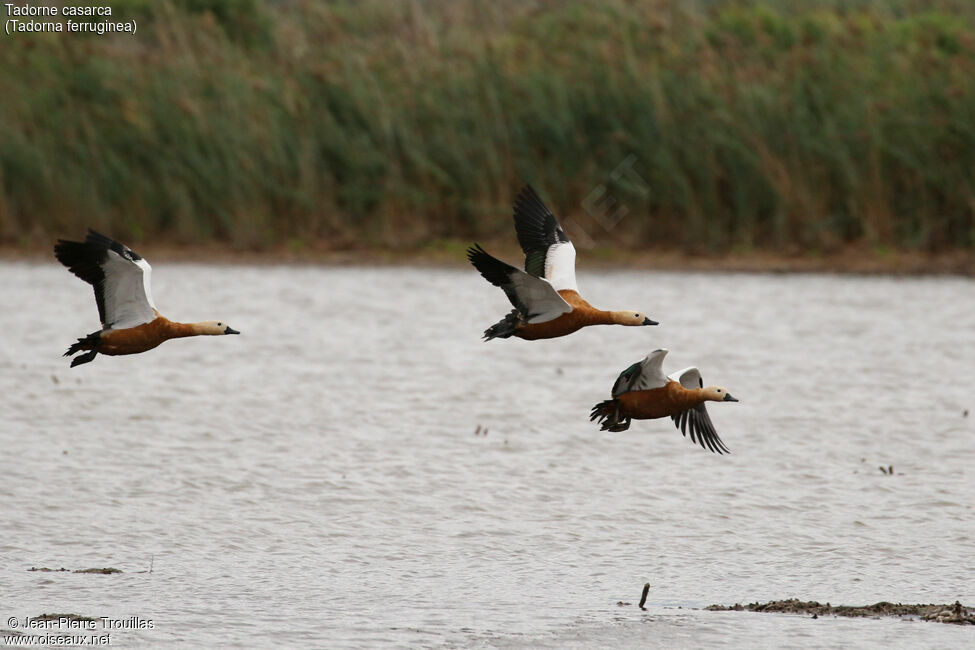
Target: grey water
{"x":317,"y":481}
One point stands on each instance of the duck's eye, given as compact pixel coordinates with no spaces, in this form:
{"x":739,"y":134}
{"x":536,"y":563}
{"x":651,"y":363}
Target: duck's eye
{"x":636,"y":315}
{"x":719,"y":390}
{"x":219,"y":324}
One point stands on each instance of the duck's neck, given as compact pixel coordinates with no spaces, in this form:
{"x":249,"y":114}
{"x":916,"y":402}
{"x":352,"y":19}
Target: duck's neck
{"x":587,"y":314}
{"x":176,"y":330}
{"x":600,"y":317}
{"x":687,"y":397}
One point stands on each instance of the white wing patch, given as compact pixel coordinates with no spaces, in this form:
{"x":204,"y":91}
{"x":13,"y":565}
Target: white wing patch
{"x":560,"y":266}
{"x":543,"y":301}
{"x":147,"y":281}
{"x":128,"y":298}
{"x":643,"y":375}
{"x":689,"y":378}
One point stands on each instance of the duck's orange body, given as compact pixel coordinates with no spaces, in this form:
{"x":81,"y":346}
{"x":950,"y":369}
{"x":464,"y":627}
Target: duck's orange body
{"x":141,"y":338}
{"x":582,"y":315}
{"x":661,"y":402}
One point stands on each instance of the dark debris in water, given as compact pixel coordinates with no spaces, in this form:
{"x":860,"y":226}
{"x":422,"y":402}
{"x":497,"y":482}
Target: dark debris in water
{"x":105,"y":571}
{"x":957,"y":613}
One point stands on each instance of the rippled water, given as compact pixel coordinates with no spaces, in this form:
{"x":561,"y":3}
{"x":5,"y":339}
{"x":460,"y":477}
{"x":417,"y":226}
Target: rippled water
{"x":317,"y":480}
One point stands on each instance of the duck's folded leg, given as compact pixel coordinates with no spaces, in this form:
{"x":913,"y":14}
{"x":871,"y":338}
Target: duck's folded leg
{"x":84,"y":358}
{"x":618,"y":426}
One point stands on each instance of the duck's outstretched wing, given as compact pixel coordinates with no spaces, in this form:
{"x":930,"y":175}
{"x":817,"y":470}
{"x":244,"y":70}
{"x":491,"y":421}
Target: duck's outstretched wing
{"x":696,"y":420}
{"x":533,"y":297}
{"x":119,"y":276}
{"x":548,"y":252}
{"x":642,"y":375}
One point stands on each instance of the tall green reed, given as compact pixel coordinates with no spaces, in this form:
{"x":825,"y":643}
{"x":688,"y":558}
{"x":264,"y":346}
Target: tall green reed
{"x":749,"y":125}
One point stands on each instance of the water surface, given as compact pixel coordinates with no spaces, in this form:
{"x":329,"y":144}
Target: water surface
{"x":317,"y":480}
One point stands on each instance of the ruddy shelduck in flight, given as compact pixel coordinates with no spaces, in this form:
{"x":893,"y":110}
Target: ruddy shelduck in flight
{"x":643,"y":392}
{"x":130,"y":322}
{"x":546,"y":299}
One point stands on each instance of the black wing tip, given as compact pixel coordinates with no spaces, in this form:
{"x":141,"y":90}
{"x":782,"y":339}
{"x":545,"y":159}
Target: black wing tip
{"x":479,"y":257}
{"x":491,"y":268}
{"x":536,"y":226}
{"x":124,"y":250}
{"x":713,"y":442}
{"x":65,"y":247}
{"x":81,"y":259}
{"x":527,"y":193}
{"x":529,"y":204}
{"x":106,"y":243}
{"x":475,"y":250}
{"x":701,"y":430}
{"x":93,"y":240}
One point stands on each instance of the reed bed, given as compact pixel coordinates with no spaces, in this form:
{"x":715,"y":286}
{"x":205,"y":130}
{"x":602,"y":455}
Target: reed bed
{"x":699,"y":126}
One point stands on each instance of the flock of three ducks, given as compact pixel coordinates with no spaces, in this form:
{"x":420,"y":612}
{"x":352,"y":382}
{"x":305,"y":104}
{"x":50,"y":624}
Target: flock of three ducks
{"x":546,"y":304}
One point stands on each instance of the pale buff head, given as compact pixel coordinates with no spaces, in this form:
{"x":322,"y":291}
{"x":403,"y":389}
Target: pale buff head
{"x":717,"y":394}
{"x":214,"y":328}
{"x":633,"y":318}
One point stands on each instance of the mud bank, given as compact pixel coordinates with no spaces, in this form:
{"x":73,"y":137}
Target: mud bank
{"x":956,"y":613}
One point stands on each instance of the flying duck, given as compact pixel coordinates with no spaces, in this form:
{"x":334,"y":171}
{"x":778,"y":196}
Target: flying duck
{"x":546,"y":299}
{"x":643,"y":392}
{"x":120,"y":277}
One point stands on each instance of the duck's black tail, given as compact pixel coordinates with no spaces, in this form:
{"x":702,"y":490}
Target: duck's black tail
{"x":89,"y":342}
{"x":506,"y":327}
{"x":608,"y":415}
